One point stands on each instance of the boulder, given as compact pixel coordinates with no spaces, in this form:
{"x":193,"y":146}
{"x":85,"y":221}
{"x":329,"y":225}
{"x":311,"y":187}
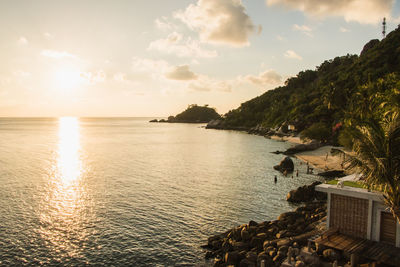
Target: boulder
{"x":155,"y":120}
{"x":332,"y":174}
{"x":302,"y":194}
{"x":214,"y":124}
{"x":331,"y":254}
{"x":285,"y":165}
{"x":302,"y":147}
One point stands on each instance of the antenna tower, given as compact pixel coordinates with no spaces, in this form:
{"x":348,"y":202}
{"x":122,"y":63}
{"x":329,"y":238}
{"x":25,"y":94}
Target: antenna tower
{"x":384,"y":27}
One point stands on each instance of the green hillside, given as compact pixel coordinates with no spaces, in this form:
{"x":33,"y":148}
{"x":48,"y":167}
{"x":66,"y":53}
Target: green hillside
{"x":196,"y":114}
{"x":321,"y":99}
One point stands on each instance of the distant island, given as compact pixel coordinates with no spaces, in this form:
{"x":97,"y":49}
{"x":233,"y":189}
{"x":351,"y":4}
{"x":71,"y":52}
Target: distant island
{"x":193,"y":114}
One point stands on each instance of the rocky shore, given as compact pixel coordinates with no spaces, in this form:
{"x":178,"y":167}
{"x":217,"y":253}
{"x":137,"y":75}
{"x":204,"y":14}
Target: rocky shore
{"x":269,"y":241}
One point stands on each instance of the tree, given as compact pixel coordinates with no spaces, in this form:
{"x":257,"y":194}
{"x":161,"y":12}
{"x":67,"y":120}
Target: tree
{"x":376,"y":147}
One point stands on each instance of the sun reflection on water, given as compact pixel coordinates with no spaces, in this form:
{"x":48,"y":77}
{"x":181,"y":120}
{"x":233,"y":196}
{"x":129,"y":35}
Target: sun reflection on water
{"x":64,"y":208}
{"x":69,"y":163}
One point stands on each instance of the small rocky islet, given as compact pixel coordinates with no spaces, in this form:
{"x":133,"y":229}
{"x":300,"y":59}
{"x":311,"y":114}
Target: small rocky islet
{"x":269,"y":241}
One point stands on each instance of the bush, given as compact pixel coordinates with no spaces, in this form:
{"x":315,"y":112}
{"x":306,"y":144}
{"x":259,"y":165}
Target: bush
{"x":318,"y":131}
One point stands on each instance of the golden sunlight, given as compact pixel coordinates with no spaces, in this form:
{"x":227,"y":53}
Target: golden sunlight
{"x":67,"y":78}
{"x":69,"y":163}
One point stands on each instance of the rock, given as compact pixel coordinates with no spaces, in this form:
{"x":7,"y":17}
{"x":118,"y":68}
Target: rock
{"x":210,"y":254}
{"x":302,"y":194}
{"x":214,"y":124}
{"x":253,"y":223}
{"x":251,"y":256}
{"x":256,"y":242}
{"x":302,"y":147}
{"x":245,"y":235}
{"x":231,"y":257}
{"x":246,"y":263}
{"x":331,"y":254}
{"x":155,"y":120}
{"x":285,"y":165}
{"x":332,"y":174}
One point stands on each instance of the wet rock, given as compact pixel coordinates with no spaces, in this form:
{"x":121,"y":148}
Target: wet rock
{"x":231,"y":257}
{"x":302,"y":194}
{"x":253,"y":223}
{"x":302,"y":147}
{"x":285,"y":165}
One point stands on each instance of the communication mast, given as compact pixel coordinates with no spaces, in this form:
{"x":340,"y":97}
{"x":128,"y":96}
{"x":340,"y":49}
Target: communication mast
{"x":384,"y":27}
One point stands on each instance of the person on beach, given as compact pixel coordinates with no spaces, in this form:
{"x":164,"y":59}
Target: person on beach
{"x":275,"y":179}
{"x":297,"y":173}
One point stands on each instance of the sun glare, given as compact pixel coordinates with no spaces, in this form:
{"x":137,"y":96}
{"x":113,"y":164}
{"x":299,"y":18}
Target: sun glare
{"x":67,"y":78}
{"x":69,"y":163}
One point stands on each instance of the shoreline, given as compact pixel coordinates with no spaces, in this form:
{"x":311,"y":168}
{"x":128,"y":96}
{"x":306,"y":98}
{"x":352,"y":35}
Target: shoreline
{"x":320,"y":158}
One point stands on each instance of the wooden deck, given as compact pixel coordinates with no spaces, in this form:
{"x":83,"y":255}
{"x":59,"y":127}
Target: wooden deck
{"x":372,"y":250}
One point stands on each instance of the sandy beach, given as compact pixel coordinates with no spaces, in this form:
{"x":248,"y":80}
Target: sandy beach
{"x":316,"y":158}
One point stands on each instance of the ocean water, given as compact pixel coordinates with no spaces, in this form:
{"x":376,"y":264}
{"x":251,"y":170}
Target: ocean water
{"x":122,"y":191}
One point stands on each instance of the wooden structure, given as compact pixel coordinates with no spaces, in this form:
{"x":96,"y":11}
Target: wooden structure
{"x":359,"y":223}
{"x":377,"y":251}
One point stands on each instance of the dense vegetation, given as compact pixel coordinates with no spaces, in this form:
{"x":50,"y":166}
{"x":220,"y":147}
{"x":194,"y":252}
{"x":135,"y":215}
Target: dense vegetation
{"x":197,"y":114}
{"x":318,"y":102}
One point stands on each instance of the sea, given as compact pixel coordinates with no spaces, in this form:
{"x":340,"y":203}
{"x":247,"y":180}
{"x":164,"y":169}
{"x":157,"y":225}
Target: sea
{"x":126,"y":192}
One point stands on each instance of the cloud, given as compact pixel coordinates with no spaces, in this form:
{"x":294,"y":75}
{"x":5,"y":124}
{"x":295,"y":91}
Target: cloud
{"x":181,"y":73}
{"x":93,"y":77}
{"x":164,"y":25}
{"x":48,"y":36}
{"x":219,"y":22}
{"x":149,"y":65}
{"x":342,"y":29}
{"x":206,"y":84}
{"x":57,"y":54}
{"x":174,"y":44}
{"x":292,"y":54}
{"x":303,"y":28}
{"x":22,"y":41}
{"x":266,"y":78}
{"x":362,"y":11}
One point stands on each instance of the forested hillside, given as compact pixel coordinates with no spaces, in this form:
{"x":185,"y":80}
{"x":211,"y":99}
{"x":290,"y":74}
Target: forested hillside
{"x":323,"y":98}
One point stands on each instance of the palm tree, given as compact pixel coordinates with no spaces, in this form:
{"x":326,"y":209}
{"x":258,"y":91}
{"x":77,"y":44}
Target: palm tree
{"x":376,"y":147}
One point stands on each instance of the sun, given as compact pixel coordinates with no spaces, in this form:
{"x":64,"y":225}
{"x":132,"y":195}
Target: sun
{"x":67,"y":78}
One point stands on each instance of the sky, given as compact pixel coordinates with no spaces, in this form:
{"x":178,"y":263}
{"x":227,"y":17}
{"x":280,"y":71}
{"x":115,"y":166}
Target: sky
{"x":152,"y":58}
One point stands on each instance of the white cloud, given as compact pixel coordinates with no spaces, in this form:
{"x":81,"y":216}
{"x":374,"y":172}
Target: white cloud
{"x":164,"y":24}
{"x":48,"y":36}
{"x":149,"y":65}
{"x":57,"y":54}
{"x":22,"y":41}
{"x":93,"y":77}
{"x":280,"y":38}
{"x":292,"y":54}
{"x":342,"y":29}
{"x":303,"y":28}
{"x":206,"y":84}
{"x":174,"y":44}
{"x":362,"y":11}
{"x":181,"y":73}
{"x":266,"y":78}
{"x":220,"y":22}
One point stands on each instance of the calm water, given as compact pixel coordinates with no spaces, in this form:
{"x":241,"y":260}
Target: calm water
{"x":127,"y":192}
